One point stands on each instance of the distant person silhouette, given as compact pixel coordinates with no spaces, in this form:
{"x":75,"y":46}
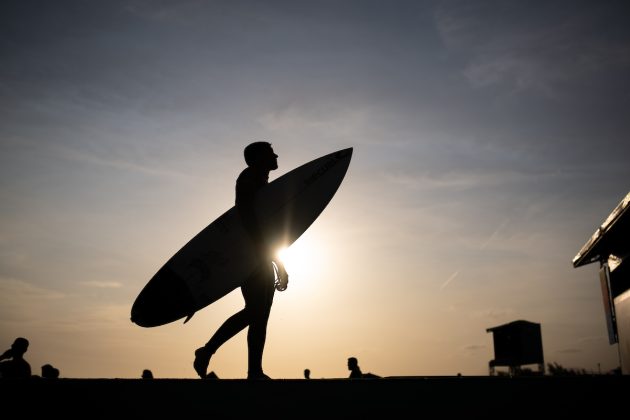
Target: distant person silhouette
{"x":50,"y":372}
{"x":355,"y":370}
{"x":16,"y":367}
{"x":258,"y":289}
{"x":147,"y":374}
{"x":353,"y":367}
{"x":307,"y":374}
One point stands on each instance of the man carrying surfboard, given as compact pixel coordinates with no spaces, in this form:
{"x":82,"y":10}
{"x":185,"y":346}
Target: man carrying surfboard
{"x":258,"y":289}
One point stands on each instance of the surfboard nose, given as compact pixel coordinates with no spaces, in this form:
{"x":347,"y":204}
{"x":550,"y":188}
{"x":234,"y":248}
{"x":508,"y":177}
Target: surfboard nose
{"x":164,"y":299}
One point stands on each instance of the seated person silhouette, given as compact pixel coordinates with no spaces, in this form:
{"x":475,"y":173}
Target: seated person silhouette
{"x":147,"y":374}
{"x":353,"y":367}
{"x":16,"y":367}
{"x":307,"y":374}
{"x":50,"y":372}
{"x":355,"y":370}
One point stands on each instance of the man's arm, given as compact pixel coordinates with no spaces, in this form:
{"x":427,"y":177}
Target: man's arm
{"x":7,"y":354}
{"x":245,"y":206}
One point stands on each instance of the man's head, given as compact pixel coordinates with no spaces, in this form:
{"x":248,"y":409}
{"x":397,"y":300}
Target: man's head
{"x":260,"y":155}
{"x":352,"y":363}
{"x":19,"y":346}
{"x":50,"y":372}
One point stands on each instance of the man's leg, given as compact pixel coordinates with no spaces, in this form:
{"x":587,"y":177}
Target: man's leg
{"x":258,"y":293}
{"x":232,"y":326}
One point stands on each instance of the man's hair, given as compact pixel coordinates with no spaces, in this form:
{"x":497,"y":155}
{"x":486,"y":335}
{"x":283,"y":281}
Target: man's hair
{"x":353,"y":360}
{"x":254,"y":150}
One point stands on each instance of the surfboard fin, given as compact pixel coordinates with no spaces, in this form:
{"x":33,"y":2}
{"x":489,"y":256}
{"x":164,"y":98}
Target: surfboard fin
{"x":188,"y":317}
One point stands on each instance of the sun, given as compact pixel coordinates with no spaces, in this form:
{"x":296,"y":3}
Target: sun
{"x":297,"y":257}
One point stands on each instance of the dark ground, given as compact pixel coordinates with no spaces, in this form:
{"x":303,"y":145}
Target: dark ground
{"x":409,"y":397}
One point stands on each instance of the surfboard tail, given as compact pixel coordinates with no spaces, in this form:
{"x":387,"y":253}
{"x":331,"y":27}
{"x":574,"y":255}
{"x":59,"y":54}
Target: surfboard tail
{"x":164,"y":299}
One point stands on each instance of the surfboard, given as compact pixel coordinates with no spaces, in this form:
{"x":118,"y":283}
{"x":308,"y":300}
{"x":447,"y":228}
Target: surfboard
{"x":220,"y":257}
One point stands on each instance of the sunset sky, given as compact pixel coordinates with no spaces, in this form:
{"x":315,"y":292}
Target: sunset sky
{"x":490,"y":140}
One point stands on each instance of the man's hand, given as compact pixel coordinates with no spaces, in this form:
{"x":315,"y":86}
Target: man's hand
{"x":282,"y":280}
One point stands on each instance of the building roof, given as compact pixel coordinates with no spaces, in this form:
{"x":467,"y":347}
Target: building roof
{"x":513,"y":324}
{"x":610,"y":238}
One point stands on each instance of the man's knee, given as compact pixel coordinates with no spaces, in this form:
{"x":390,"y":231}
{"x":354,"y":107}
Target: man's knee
{"x":257,"y":313}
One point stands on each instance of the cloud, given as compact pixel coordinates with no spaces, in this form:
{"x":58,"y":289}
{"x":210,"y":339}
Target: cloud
{"x":17,"y":289}
{"x":569,"y":351}
{"x":475,"y":347}
{"x":541,"y":50}
{"x":164,"y":10}
{"x":521,"y":73}
{"x":101,"y":284}
{"x":446,"y":180}
{"x":496,"y":314}
{"x":117,"y":163}
{"x":21,"y":301}
{"x":470,"y":174}
{"x":106,"y":315}
{"x":24,"y":306}
{"x":591,"y":339}
{"x":330,"y":121}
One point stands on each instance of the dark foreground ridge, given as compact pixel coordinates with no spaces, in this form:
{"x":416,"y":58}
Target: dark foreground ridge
{"x":408,"y":397}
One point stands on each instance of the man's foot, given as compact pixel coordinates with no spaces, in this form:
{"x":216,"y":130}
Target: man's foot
{"x":256,"y":376}
{"x":202,"y":360}
{"x":212,"y":375}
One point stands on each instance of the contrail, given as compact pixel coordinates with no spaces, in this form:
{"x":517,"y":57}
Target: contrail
{"x":450,"y":279}
{"x":494,"y":234}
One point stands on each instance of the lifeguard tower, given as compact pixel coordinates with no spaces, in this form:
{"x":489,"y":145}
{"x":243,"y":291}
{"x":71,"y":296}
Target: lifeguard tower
{"x":516,"y":344}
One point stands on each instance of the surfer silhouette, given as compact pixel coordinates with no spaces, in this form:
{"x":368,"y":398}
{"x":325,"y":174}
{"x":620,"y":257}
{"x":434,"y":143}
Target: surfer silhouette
{"x":259,"y":288}
{"x":16,"y":367}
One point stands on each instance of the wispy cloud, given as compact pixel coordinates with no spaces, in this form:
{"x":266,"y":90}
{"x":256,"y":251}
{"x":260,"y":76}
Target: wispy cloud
{"x":538,"y":54}
{"x":326,"y":121}
{"x":569,"y":351}
{"x":451,"y":180}
{"x":475,"y":347}
{"x":591,"y":339}
{"x":21,"y":301}
{"x":18,"y":289}
{"x":24,"y":305}
{"x":93,"y":159}
{"x":519,"y":72}
{"x":496,"y":314}
{"x":181,"y":11}
{"x":102,"y":284}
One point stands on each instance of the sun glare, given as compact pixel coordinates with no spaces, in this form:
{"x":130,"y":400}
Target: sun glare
{"x":297,"y":257}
